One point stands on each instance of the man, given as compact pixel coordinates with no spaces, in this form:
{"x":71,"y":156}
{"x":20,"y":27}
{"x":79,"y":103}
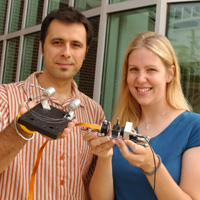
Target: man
{"x":66,"y":164}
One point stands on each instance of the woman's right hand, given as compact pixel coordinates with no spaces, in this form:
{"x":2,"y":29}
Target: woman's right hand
{"x":100,"y":146}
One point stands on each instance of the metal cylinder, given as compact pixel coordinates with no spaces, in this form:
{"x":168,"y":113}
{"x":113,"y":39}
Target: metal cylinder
{"x":49,"y":92}
{"x":73,"y":105}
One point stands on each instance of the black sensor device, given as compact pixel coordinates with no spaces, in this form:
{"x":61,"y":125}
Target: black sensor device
{"x":40,"y":124}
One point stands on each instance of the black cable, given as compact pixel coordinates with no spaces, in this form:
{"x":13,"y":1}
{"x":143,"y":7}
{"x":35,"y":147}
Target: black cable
{"x":135,"y":140}
{"x":154,"y":160}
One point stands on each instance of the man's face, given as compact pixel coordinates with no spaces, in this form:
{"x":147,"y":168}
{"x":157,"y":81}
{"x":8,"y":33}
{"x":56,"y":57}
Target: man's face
{"x":64,"y":50}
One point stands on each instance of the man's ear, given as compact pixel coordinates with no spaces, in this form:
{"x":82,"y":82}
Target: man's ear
{"x":171,"y":73}
{"x":87,"y":48}
{"x":42,"y":50}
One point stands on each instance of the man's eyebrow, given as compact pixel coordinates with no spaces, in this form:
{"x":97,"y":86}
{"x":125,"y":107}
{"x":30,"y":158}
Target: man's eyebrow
{"x":61,"y":39}
{"x":77,"y":41}
{"x":56,"y":39}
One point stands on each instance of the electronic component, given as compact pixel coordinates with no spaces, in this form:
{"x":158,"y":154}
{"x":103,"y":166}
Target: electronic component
{"x":117,"y":132}
{"x":46,"y":119}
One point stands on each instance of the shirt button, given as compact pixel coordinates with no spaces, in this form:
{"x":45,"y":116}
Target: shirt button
{"x":62,"y":182}
{"x":62,"y":157}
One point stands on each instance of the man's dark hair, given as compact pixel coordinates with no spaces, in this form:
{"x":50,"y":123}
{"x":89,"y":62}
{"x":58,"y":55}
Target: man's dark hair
{"x":68,"y":15}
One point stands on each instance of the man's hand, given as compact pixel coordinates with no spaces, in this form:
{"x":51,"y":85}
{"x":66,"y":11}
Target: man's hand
{"x":68,"y":129}
{"x":23,"y":109}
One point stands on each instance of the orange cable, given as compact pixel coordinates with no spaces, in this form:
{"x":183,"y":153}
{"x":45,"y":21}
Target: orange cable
{"x":32,"y":182}
{"x":92,"y":126}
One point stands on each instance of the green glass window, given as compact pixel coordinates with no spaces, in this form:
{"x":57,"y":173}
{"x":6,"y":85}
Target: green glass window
{"x":30,"y":55}
{"x":3,"y":7}
{"x":16,"y":15}
{"x":1,"y":46}
{"x":116,"y":1}
{"x":121,"y":28}
{"x":184,"y":33}
{"x":57,"y":4}
{"x":42,"y":64}
{"x":34,"y":12}
{"x":10,"y":66}
{"x":83,"y":5}
{"x":85,"y":77}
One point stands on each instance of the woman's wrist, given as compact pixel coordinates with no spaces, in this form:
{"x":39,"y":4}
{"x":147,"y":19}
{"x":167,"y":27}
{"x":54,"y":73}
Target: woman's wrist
{"x":105,"y":159}
{"x":152,"y":172}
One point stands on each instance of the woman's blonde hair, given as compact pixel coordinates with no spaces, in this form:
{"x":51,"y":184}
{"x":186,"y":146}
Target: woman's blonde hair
{"x":127,"y":108}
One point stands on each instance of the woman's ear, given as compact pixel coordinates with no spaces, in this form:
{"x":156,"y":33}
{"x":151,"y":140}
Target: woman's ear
{"x":171,"y":73}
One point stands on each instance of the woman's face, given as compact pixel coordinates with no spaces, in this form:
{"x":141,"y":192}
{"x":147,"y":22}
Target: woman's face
{"x":147,"y":77}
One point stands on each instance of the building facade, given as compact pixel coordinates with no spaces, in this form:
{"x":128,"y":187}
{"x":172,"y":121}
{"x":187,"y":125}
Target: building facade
{"x":115,"y":22}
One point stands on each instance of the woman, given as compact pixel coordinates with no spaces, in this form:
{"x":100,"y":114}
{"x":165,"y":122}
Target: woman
{"x":151,"y":97}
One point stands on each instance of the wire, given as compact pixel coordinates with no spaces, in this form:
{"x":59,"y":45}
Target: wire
{"x":137,"y":142}
{"x":42,"y":117}
{"x":154,"y":160}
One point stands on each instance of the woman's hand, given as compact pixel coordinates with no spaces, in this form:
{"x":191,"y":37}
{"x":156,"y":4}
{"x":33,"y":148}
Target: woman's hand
{"x":138,"y":156}
{"x":100,"y":146}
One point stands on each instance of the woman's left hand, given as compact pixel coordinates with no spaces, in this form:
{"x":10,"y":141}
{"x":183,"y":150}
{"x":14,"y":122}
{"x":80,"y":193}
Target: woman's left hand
{"x":138,"y":156}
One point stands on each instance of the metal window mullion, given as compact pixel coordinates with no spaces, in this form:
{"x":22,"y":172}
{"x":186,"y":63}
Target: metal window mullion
{"x":7,"y":17}
{"x":19,"y":59}
{"x":127,"y":5}
{"x":21,"y":32}
{"x":100,"y":51}
{"x":71,"y":3}
{"x":21,"y":41}
{"x":39,"y":62}
{"x":2,"y":60}
{"x":45,"y":9}
{"x":4,"y":40}
{"x":24,"y":14}
{"x":181,"y":1}
{"x":92,"y":12}
{"x":161,"y":17}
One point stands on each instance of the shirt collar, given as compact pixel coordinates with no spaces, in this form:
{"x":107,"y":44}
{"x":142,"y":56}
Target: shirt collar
{"x":31,"y":87}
